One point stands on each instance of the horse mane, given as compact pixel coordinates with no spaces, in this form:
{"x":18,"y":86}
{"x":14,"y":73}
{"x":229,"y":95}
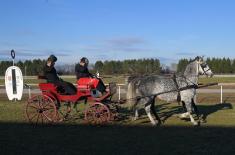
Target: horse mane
{"x":134,"y":77}
{"x":197,"y":58}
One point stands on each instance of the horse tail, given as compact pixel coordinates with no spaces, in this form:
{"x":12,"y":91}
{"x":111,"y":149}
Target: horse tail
{"x":131,"y":92}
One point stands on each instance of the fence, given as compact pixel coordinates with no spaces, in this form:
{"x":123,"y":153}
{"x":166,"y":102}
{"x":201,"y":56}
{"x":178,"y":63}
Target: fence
{"x":121,"y":89}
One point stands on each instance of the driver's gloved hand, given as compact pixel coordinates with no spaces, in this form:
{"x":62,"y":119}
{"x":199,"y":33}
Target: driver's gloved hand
{"x":93,"y":76}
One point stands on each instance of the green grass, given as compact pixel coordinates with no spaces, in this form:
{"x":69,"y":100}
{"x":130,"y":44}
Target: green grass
{"x":11,"y":111}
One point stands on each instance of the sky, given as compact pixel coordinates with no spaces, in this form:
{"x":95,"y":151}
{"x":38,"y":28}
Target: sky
{"x":117,"y":29}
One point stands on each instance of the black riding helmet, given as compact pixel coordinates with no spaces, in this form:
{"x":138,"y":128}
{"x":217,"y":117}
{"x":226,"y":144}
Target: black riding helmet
{"x":52,"y":58}
{"x":85,"y":60}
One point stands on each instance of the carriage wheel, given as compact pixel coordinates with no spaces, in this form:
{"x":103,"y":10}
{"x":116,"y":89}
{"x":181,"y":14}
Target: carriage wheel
{"x":114,"y":111}
{"x":41,"y":109}
{"x":97,"y":113}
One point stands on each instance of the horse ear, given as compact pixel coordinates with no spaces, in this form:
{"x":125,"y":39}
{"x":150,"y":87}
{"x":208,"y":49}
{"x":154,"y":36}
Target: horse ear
{"x":203,"y":57}
{"x":197,"y":58}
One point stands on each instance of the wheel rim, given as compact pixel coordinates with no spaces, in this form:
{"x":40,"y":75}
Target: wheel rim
{"x":41,"y":109}
{"x":97,"y":113}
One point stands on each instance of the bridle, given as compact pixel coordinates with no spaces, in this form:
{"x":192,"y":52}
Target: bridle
{"x":203,"y":66}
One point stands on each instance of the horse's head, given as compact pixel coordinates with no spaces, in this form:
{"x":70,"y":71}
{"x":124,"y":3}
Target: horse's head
{"x":203,"y":68}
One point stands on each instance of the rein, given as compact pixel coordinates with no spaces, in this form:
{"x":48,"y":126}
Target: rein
{"x":170,"y":91}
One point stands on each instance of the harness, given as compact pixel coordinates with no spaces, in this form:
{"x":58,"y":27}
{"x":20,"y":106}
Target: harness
{"x":177,"y":88}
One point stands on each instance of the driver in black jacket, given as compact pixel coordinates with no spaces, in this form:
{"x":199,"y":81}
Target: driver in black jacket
{"x":52,"y":77}
{"x":82,"y":71}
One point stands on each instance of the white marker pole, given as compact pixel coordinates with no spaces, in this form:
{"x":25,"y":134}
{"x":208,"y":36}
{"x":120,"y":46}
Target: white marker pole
{"x":29,"y":92}
{"x":119,"y":92}
{"x":221,"y":94}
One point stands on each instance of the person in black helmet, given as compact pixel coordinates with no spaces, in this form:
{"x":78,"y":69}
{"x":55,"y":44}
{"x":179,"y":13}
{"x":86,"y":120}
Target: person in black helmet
{"x":51,"y":75}
{"x":82,"y":71}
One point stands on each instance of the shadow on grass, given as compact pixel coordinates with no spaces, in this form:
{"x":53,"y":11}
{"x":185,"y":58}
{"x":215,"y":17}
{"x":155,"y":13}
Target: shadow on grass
{"x":114,"y":139}
{"x":166,"y":111}
{"x":210,"y":109}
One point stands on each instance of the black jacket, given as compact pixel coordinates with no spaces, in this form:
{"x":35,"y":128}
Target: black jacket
{"x":51,"y":74}
{"x":82,"y":71}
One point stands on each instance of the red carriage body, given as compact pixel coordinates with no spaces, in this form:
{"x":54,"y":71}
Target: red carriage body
{"x":84,"y":89}
{"x":45,"y":107}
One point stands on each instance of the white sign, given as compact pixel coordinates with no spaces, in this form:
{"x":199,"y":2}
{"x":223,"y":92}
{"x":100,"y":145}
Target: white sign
{"x":14,"y":83}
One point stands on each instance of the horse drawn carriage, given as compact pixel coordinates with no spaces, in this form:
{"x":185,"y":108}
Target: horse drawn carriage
{"x":182,"y":88}
{"x":45,"y":107}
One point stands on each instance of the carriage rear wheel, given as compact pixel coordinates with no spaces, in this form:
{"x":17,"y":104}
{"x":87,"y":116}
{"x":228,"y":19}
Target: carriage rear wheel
{"x":97,"y":113}
{"x":41,"y":109}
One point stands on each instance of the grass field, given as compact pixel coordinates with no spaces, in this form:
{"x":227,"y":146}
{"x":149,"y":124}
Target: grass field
{"x":175,"y":136}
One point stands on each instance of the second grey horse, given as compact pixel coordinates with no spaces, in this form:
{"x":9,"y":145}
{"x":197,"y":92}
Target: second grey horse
{"x":144,"y":90}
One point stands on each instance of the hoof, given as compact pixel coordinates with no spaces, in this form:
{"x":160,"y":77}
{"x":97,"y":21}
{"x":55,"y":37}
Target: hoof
{"x":134,"y":118}
{"x":197,"y":124}
{"x":203,"y":121}
{"x":154,"y":123}
{"x":182,"y":116}
{"x":159,"y":124}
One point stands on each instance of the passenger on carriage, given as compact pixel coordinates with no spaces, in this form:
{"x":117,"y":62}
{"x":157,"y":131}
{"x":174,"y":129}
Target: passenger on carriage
{"x":51,"y":75}
{"x":82,"y":71}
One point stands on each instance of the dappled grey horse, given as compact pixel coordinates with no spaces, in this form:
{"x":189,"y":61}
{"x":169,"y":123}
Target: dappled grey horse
{"x":143,"y":90}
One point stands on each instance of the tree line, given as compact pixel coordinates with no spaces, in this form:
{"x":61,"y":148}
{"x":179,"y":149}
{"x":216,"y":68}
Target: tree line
{"x":28,"y":67}
{"x":217,"y":65}
{"x":135,"y":66}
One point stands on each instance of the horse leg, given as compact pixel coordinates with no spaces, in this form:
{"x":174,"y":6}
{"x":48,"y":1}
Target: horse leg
{"x":195,"y":109}
{"x":185,"y":113}
{"x":135,"y":110}
{"x":136,"y":114}
{"x":152,"y":107}
{"x":192,"y":119}
{"x":189,"y":112}
{"x":184,"y":106}
{"x":148,"y":111}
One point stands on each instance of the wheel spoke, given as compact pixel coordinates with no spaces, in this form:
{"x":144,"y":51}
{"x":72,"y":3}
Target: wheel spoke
{"x":47,"y":104}
{"x":47,"y":118}
{"x":32,"y":106}
{"x":37,"y":118}
{"x":32,"y":117}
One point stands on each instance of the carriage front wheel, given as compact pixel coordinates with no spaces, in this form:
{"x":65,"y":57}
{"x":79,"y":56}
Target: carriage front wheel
{"x":97,"y":113}
{"x":41,"y":109}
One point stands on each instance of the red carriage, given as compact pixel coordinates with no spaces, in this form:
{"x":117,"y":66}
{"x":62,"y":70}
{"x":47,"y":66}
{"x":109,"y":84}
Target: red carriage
{"x":45,"y":108}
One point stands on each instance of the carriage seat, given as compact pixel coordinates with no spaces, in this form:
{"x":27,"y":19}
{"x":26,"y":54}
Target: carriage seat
{"x":47,"y":86}
{"x":87,"y":83}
